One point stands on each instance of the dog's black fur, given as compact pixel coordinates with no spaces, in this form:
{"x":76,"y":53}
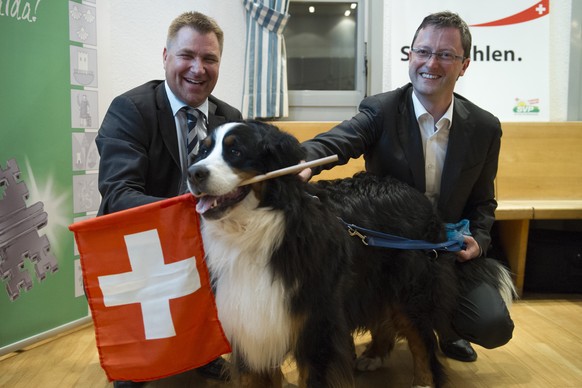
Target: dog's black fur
{"x":333,"y":284}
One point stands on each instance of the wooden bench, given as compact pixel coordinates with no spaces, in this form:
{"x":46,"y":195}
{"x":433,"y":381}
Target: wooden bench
{"x":539,"y":177}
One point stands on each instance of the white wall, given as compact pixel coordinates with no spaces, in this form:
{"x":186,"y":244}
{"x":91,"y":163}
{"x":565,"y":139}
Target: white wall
{"x":560,"y":16}
{"x":131,"y":36}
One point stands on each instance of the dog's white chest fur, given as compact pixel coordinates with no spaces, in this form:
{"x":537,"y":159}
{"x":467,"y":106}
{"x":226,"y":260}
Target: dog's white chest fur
{"x":251,"y":303}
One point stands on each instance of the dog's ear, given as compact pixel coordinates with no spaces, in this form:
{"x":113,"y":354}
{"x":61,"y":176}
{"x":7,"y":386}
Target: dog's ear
{"x":283,"y":147}
{"x":279,"y":148}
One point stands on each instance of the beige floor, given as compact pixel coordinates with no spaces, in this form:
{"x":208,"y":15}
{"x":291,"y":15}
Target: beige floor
{"x":546,"y":351}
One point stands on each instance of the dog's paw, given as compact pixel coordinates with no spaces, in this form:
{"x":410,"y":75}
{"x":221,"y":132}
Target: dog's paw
{"x":364,"y":363}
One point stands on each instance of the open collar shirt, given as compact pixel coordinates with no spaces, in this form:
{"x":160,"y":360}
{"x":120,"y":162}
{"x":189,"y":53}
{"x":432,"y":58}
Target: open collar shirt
{"x":435,"y":140}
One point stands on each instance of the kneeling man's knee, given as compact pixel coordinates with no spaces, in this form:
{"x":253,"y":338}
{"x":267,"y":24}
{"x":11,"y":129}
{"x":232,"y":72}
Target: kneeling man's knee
{"x":483,"y":318}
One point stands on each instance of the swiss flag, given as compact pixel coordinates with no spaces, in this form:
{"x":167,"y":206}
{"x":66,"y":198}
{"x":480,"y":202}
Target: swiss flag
{"x":149,"y":292}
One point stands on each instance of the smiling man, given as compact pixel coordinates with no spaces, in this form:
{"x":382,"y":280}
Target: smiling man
{"x":192,"y":59}
{"x":149,"y":133}
{"x":439,"y":142}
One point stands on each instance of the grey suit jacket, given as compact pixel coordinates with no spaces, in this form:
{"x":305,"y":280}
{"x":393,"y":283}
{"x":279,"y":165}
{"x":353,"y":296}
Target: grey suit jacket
{"x":385,"y":131}
{"x":138,"y":145}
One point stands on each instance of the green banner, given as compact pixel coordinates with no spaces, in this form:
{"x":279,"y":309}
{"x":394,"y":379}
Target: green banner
{"x":39,"y":271}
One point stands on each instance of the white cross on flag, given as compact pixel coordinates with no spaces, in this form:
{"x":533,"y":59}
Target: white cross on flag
{"x":149,"y":292}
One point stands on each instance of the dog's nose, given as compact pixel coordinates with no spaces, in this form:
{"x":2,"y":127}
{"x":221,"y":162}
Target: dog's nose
{"x":197,"y":174}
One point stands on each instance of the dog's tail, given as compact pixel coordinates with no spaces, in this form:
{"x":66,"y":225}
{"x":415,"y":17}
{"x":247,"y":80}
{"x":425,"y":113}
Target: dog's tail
{"x":490,"y":271}
{"x":506,"y":286}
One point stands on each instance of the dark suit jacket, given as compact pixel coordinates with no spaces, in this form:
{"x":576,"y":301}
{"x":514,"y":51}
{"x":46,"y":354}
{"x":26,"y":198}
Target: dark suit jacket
{"x":386,"y":132}
{"x":138,"y":145}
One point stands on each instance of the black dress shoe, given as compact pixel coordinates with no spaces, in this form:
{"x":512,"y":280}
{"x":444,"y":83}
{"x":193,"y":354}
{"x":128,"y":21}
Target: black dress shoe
{"x":127,"y":384}
{"x":460,"y":350}
{"x":216,"y":370}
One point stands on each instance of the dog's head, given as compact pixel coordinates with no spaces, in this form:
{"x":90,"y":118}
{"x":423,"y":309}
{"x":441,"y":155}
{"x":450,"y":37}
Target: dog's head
{"x":233,"y":153}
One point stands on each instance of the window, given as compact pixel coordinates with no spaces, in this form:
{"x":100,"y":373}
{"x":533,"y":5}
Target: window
{"x":325,"y":59}
{"x":321,"y":46}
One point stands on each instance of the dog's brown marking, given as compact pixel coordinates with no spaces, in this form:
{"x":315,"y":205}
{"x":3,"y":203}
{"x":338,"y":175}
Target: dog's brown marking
{"x":420,"y":357}
{"x":259,"y":189}
{"x":207,"y":142}
{"x":229,"y":140}
{"x":383,"y":336}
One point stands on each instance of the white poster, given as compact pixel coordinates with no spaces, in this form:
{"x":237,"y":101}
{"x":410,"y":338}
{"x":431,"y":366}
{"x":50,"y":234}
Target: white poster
{"x":509,"y":70}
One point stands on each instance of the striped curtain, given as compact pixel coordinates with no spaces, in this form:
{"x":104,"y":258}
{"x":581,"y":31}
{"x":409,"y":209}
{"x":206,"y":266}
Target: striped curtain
{"x":265,"y":85}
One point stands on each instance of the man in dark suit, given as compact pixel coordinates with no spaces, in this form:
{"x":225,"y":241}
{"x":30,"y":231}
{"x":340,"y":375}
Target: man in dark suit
{"x":448,"y":148}
{"x":145,"y":136}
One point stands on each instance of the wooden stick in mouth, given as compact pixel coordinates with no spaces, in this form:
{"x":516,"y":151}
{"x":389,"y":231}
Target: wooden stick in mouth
{"x":290,"y":170}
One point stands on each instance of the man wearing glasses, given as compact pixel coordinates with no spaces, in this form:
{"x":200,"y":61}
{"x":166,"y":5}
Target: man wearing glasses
{"x":426,"y":135}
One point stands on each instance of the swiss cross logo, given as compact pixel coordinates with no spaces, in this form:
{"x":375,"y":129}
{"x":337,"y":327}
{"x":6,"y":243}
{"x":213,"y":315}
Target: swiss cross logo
{"x":151,"y":283}
{"x":538,"y":10}
{"x":149,"y":290}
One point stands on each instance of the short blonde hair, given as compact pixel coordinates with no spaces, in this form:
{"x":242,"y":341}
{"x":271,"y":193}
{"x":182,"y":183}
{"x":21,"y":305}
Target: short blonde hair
{"x":198,"y":21}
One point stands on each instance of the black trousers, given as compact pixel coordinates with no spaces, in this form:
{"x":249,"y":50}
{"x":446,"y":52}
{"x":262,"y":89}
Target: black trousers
{"x":482,"y":318}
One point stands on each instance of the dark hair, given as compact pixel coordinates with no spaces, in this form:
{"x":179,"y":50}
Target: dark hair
{"x":198,"y":21}
{"x":447,"y":19}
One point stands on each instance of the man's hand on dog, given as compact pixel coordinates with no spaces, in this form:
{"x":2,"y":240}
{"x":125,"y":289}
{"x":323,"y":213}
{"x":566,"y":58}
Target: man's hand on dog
{"x":305,"y":174}
{"x":471,"y":251}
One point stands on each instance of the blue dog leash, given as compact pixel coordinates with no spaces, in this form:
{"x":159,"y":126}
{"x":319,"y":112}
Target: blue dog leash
{"x":455,"y":233}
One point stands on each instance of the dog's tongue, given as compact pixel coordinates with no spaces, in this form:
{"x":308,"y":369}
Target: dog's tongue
{"x":208,"y":202}
{"x":204,"y":203}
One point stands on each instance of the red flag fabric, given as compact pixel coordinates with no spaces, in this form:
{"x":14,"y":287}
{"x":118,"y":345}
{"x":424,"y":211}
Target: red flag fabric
{"x":149,"y":291}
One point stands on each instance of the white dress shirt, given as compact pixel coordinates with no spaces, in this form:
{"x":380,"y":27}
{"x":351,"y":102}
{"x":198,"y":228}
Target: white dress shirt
{"x":435,"y":140}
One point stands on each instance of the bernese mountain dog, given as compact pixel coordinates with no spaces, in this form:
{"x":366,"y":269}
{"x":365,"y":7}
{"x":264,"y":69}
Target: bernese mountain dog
{"x":290,"y":280}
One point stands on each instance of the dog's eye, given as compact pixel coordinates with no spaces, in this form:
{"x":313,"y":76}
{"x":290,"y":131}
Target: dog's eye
{"x":235,"y":152}
{"x":202,"y":153}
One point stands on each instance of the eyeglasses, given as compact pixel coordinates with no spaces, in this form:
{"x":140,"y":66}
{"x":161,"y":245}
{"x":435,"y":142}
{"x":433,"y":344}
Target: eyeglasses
{"x":443,"y":56}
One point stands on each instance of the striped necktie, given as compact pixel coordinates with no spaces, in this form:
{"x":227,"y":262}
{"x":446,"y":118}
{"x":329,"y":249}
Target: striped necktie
{"x":192,"y":118}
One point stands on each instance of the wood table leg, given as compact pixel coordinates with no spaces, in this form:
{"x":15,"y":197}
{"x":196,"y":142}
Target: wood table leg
{"x":513,"y":235}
